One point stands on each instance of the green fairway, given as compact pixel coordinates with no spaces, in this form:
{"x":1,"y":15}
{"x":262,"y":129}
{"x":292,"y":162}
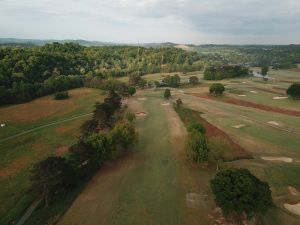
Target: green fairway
{"x":151,"y":184}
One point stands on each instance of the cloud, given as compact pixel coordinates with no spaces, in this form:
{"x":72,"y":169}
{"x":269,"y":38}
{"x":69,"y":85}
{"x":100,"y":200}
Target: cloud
{"x":188,"y":21}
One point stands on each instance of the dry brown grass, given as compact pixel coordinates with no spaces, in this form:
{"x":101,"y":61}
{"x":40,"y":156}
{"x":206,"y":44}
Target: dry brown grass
{"x":42,"y":108}
{"x":14,"y":167}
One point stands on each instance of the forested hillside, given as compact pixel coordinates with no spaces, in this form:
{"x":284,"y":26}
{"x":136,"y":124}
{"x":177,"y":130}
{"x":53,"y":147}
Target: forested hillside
{"x":26,"y":73}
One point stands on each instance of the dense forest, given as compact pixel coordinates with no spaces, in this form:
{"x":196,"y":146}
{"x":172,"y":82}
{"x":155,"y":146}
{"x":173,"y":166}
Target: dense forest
{"x":222,"y":72}
{"x":29,"y":72}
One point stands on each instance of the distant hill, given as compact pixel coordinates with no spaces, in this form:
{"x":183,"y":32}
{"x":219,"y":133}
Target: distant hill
{"x":40,"y":42}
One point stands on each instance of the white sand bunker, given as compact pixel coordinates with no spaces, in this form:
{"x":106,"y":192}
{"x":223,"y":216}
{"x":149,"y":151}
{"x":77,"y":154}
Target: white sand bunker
{"x":181,"y":91}
{"x":274,"y":123}
{"x":141,"y":114}
{"x":293,"y":190}
{"x":238,"y":126}
{"x":244,"y":82}
{"x":242,"y":95}
{"x":142,"y":99}
{"x":279,"y":97}
{"x":195,"y":200}
{"x":282,"y":159}
{"x":164,"y":104}
{"x":294,"y":208}
{"x":255,"y":92}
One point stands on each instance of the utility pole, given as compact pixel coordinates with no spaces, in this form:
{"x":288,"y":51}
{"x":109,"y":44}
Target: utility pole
{"x":162,"y":59}
{"x":138,"y":60}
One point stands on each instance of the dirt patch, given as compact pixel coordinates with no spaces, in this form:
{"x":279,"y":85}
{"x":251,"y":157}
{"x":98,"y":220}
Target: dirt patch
{"x":14,"y":167}
{"x":244,"y":103}
{"x":165,"y":104}
{"x":60,"y":151}
{"x":238,"y":126}
{"x":274,"y":123}
{"x":279,"y":98}
{"x":195,"y":200}
{"x":294,"y":208}
{"x":293,"y":190}
{"x":140,"y":114}
{"x":281,"y":159}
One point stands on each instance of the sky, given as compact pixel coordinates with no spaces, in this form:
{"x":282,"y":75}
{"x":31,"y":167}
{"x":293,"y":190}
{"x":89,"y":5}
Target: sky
{"x":148,"y":21}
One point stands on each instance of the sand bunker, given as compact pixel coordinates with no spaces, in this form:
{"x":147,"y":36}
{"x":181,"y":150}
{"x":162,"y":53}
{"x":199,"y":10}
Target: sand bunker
{"x":274,"y":123}
{"x":242,"y":95}
{"x":164,"y":104}
{"x":238,"y":126}
{"x":282,"y":159}
{"x":141,"y":99}
{"x":278,"y":98}
{"x":294,"y":208}
{"x":244,"y":82}
{"x":195,"y":200}
{"x":293,"y":190}
{"x":141,"y":114}
{"x":255,"y":92}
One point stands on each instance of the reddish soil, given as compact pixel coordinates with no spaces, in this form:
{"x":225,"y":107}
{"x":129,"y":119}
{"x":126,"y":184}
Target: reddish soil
{"x":214,"y":132}
{"x":240,"y":102}
{"x":60,"y":151}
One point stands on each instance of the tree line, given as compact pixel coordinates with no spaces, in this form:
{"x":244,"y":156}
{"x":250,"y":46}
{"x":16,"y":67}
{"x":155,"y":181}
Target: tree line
{"x":222,"y":72}
{"x":106,"y":136}
{"x":26,"y":73}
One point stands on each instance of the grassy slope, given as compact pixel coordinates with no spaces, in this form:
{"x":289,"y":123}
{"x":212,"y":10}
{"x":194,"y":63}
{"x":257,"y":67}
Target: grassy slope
{"x":18,"y":155}
{"x":151,"y":187}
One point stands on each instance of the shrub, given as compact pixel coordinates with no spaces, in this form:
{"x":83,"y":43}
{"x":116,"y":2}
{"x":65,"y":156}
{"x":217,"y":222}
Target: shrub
{"x":294,"y":91}
{"x":196,"y":126}
{"x":61,"y":95}
{"x":131,"y":90}
{"x":198,"y":147}
{"x":194,"y":80}
{"x":167,"y":94}
{"x":216,"y":89}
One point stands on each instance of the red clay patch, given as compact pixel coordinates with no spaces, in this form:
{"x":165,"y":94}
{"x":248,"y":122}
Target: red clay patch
{"x":244,"y":103}
{"x":60,"y":151}
{"x":214,"y":132}
{"x":14,"y":167}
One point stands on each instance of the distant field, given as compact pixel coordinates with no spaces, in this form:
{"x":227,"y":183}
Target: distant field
{"x":18,"y":154}
{"x":158,"y":76}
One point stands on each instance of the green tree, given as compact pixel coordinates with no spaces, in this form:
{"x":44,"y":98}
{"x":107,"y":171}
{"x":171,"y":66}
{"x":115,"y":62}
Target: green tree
{"x":51,"y":178}
{"x":197,"y":146}
{"x":172,"y":81}
{"x":238,"y":191}
{"x":167,"y":93}
{"x":264,"y":70}
{"x":178,"y":102}
{"x":131,"y":90}
{"x":197,"y":127}
{"x":216,"y":89}
{"x":294,"y":91}
{"x":194,"y":80}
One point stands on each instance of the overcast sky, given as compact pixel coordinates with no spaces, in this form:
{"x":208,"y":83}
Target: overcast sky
{"x":131,"y":21}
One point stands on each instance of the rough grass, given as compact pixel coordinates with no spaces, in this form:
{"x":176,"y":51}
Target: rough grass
{"x":19,"y":154}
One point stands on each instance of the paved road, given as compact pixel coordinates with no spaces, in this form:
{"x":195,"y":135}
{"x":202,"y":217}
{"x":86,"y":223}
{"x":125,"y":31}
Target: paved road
{"x":42,"y":126}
